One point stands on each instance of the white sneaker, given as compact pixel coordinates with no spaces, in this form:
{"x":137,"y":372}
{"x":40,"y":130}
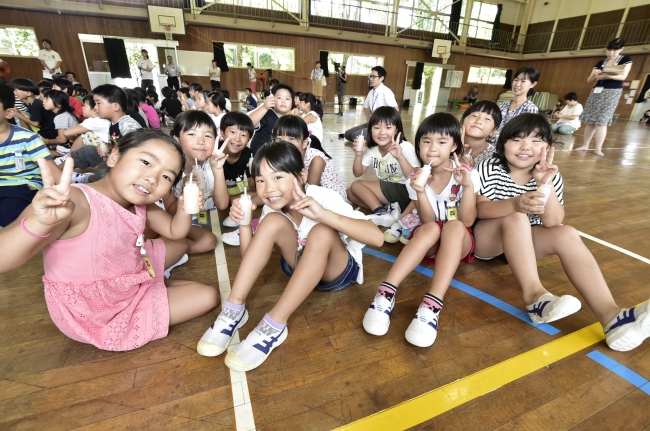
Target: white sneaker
{"x":253,"y":351}
{"x":423,"y":330}
{"x":383,"y":216}
{"x":392,"y":234}
{"x":377,"y":319}
{"x":629,"y":328}
{"x":231,"y":238}
{"x":217,"y":338}
{"x":395,"y":210}
{"x":182,"y":261}
{"x":550,"y":308}
{"x":63,"y":150}
{"x":228,"y":222}
{"x":81,"y":178}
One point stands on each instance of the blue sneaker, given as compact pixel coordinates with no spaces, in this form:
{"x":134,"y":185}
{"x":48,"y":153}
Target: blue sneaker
{"x":217,"y":338}
{"x":550,"y":308}
{"x":386,"y":215}
{"x":253,"y":351}
{"x":629,"y":328}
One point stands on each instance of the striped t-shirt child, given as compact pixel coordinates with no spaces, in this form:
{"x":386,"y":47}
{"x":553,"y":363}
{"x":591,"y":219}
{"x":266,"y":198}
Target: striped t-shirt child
{"x":31,"y":147}
{"x":497,"y":185}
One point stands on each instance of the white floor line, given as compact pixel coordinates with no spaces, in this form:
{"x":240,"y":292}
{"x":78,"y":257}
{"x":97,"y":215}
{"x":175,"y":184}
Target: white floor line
{"x":615,"y":247}
{"x":244,"y":419}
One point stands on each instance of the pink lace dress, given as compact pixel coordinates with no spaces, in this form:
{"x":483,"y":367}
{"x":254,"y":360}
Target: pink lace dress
{"x":97,"y":288}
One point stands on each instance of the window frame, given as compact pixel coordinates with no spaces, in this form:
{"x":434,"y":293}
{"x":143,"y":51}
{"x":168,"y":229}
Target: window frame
{"x":357,"y":54}
{"x":260,"y":46}
{"x":490,"y":68}
{"x":22,"y":56}
{"x":476,"y":22}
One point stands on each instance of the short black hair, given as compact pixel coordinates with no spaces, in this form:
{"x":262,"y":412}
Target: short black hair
{"x":185,"y":82}
{"x":24,"y":84}
{"x":442,"y":123}
{"x":60,"y":100}
{"x":285,"y":87}
{"x":69,"y":72}
{"x":88,"y":98}
{"x":217,"y":99}
{"x":380,"y":71}
{"x":195,"y":86}
{"x":169,"y":93}
{"x":152,"y":94}
{"x":295,"y":127}
{"x":226,"y":93}
{"x":144,"y":50}
{"x":281,"y":156}
{"x":112,"y":93}
{"x":315,"y":104}
{"x":188,"y":120}
{"x":571,"y":96}
{"x":239,"y":120}
{"x":49,"y":42}
{"x":249,"y":89}
{"x":184,"y":90}
{"x":529,"y":72}
{"x":616,"y":44}
{"x":7,"y":98}
{"x":521,"y":126}
{"x":64,"y":85}
{"x":249,"y":64}
{"x":273,"y":82}
{"x":487,"y":106}
{"x":46,"y":83}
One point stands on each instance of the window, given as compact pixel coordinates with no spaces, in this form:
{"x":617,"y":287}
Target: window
{"x":486,"y":75}
{"x":279,"y":5}
{"x":482,"y":20}
{"x":261,"y":57}
{"x":427,"y":15}
{"x":354,"y":64}
{"x":370,"y":12}
{"x":18,"y":41}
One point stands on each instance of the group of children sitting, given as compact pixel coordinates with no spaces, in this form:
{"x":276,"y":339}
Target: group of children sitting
{"x":476,"y":189}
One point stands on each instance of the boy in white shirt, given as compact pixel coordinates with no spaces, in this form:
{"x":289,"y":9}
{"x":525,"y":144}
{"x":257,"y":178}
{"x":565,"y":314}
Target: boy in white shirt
{"x":569,"y":117}
{"x":146,"y":67}
{"x":50,"y":59}
{"x":92,"y":131}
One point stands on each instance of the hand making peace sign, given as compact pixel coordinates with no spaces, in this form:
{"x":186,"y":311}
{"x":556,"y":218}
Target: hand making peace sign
{"x":395,"y":148}
{"x":462,"y":175}
{"x":545,"y":170}
{"x":53,"y":204}
{"x":219,"y":157}
{"x":305,"y":205}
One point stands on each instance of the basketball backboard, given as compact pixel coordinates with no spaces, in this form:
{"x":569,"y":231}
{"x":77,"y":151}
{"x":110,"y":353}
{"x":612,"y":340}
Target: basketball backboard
{"x":441,"y":46}
{"x":160,"y":16}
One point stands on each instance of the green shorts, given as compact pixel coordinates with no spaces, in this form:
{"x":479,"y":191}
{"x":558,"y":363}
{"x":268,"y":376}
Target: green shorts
{"x":395,"y":192}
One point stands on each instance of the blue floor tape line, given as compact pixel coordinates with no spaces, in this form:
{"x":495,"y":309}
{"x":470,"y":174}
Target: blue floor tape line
{"x":496,"y":302}
{"x":620,"y":370}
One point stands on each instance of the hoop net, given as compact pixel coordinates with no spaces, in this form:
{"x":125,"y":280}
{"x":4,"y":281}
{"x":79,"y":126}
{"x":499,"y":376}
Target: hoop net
{"x":444,"y":56}
{"x":168,"y":32}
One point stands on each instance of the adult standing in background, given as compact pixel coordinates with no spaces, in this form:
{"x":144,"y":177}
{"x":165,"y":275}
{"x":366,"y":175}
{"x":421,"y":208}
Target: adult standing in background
{"x":378,"y":96}
{"x":252,"y":77}
{"x":317,"y":81}
{"x":146,"y":66}
{"x":173,"y":73}
{"x":215,"y":75}
{"x":340,"y":88}
{"x":50,"y":59}
{"x":604,"y":97}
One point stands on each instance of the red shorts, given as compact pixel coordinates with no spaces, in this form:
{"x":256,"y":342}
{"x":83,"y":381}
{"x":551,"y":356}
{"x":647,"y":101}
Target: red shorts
{"x":432,"y":260}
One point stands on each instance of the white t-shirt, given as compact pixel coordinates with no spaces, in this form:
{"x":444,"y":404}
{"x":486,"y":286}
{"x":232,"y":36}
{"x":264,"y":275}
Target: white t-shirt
{"x":207,"y":191}
{"x":567,"y":110}
{"x":99,"y":126}
{"x":50,"y":58}
{"x":215,"y":74}
{"x":329,"y":200}
{"x":252,"y":76}
{"x":387,"y":168}
{"x":217,"y":120}
{"x":316,"y":128}
{"x":449,"y":198}
{"x":142,"y":63}
{"x":378,"y":97}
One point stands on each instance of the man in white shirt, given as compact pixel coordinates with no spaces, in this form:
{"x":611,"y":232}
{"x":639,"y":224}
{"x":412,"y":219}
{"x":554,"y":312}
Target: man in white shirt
{"x":173,"y":72}
{"x":378,"y":96}
{"x":51,"y":60}
{"x":146,"y":66}
{"x":569,"y":117}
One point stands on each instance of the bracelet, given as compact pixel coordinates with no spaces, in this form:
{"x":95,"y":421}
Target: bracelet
{"x":22,"y":224}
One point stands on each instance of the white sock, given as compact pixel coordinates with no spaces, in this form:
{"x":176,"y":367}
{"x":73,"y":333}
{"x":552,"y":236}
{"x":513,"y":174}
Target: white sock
{"x":184,"y":259}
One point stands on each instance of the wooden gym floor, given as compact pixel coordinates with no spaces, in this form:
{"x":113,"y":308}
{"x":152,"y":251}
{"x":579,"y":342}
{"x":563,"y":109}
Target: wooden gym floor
{"x":487,"y":370}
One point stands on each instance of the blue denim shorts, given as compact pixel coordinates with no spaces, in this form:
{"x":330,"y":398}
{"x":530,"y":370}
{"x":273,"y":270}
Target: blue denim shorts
{"x":346,"y":279}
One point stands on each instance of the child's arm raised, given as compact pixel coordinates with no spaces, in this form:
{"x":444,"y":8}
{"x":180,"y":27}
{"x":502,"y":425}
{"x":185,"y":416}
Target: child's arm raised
{"x":360,"y":230}
{"x":217,"y":160}
{"x":245,"y":231}
{"x":423,"y":205}
{"x":74,"y":131}
{"x":258,"y":113}
{"x":545,"y":171}
{"x":175,"y":226}
{"x":395,"y":150}
{"x":44,"y":221}
{"x":467,"y":209}
{"x":357,"y":167}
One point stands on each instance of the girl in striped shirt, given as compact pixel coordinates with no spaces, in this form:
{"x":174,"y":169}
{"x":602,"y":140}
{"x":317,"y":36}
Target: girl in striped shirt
{"x":516,"y":219}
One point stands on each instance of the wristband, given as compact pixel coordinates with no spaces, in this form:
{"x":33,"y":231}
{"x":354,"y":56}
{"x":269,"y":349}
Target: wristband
{"x":22,"y":224}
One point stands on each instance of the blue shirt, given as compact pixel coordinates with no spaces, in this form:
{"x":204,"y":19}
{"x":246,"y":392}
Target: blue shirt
{"x":31,"y":147}
{"x":251,"y":101}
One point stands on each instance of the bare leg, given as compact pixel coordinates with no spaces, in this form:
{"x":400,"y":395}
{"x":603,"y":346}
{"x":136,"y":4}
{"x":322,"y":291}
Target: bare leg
{"x":601,"y":133}
{"x":200,"y":240}
{"x":275,"y":229}
{"x":77,"y":143}
{"x":455,"y":243}
{"x":512,"y":235}
{"x":324,"y":258}
{"x":424,"y":243}
{"x":579,"y":265}
{"x":590,"y":130}
{"x":188,"y":299}
{"x":174,"y":250}
{"x":367,"y":194}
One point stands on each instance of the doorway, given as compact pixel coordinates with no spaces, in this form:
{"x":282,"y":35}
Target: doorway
{"x":430,"y":94}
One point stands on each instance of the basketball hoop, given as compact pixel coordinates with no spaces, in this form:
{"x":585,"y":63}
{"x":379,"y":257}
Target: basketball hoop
{"x":444,"y":56}
{"x":168,"y":31}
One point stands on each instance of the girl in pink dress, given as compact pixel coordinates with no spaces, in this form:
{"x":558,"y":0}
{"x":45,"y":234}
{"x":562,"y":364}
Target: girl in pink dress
{"x":104,"y":283}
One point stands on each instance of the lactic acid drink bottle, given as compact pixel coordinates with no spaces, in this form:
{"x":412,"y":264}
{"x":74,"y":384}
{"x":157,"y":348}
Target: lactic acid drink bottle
{"x":359,"y":145}
{"x":423,"y":177}
{"x":546,"y":189}
{"x":246,"y":205}
{"x":191,"y":197}
{"x":199,"y":176}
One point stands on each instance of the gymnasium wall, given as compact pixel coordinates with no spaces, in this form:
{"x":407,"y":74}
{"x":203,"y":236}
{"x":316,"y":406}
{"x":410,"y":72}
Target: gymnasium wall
{"x":557,"y":76}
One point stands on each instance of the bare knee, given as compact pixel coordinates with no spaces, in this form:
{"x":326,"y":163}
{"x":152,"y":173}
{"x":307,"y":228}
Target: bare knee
{"x":453,"y":228}
{"x":212,"y":297}
{"x":273,"y":222}
{"x":322,"y":235}
{"x":566,"y":236}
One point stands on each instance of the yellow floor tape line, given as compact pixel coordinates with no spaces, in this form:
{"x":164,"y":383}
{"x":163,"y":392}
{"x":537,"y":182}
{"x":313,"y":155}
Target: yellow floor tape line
{"x":445,"y":398}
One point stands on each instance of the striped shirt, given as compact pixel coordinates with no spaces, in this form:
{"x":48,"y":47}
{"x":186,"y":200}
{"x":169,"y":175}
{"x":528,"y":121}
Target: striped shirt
{"x":507,"y":115}
{"x":497,"y":185}
{"x":32,"y":147}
